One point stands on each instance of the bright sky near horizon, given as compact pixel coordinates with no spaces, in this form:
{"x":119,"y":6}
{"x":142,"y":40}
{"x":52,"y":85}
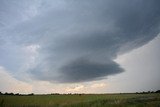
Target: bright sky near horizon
{"x":83,"y":46}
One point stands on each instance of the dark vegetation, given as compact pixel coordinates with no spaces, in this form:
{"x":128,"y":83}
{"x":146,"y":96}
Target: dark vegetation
{"x":31,"y":94}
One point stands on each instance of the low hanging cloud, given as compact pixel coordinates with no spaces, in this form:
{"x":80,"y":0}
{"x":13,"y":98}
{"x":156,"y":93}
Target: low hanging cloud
{"x":84,"y":70}
{"x":77,"y":40}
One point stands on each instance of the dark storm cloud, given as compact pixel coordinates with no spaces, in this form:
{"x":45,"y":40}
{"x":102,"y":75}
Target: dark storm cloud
{"x":84,"y":70}
{"x":80,"y":39}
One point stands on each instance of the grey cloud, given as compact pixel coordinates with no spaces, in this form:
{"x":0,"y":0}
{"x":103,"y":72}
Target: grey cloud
{"x":84,"y":70}
{"x":80,"y":39}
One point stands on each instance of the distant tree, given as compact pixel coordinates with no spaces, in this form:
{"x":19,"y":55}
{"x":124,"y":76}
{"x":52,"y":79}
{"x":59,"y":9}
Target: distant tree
{"x":5,"y":93}
{"x":79,"y":94}
{"x":31,"y":94}
{"x":8,"y":93}
{"x":11,"y":93}
{"x":55,"y":94}
{"x":158,"y":91}
{"x":1,"y":93}
{"x":17,"y":94}
{"x":149,"y":92}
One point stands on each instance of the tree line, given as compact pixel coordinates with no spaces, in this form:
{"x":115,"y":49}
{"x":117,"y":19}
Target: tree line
{"x":31,"y":94}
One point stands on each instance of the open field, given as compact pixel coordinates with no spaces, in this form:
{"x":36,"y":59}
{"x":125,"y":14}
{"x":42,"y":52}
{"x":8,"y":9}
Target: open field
{"x":84,"y":100}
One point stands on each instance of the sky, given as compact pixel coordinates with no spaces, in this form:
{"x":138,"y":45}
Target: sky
{"x":79,"y":46}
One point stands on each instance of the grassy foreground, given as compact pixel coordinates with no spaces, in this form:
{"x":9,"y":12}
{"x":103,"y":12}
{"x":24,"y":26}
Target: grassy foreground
{"x":85,"y":100}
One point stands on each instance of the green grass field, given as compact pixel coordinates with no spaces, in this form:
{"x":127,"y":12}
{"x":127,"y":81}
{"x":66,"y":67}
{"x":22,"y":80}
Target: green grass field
{"x":86,"y":100}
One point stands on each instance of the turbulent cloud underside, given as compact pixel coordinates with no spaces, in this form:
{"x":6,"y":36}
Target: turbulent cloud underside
{"x":73,"y":41}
